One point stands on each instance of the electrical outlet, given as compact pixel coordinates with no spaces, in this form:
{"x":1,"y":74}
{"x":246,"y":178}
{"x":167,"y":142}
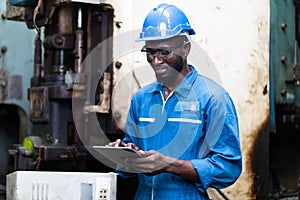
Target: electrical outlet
{"x":103,"y":194}
{"x":102,"y":189}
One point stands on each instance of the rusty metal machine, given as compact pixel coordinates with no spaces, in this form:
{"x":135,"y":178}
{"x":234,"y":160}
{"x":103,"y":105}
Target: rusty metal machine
{"x":66,"y":31}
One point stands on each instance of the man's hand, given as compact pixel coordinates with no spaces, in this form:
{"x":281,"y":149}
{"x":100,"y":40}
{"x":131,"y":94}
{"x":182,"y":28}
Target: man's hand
{"x":152,"y":163}
{"x":120,"y":143}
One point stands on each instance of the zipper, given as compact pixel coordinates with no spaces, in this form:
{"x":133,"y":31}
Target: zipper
{"x":165,"y":101}
{"x":162,"y":110}
{"x":152,"y":191}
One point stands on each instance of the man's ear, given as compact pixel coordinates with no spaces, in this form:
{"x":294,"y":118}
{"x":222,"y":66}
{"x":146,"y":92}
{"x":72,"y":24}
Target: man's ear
{"x":186,"y":48}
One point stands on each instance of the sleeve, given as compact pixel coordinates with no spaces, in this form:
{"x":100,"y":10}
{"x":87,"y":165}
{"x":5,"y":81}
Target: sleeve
{"x":220,"y":159}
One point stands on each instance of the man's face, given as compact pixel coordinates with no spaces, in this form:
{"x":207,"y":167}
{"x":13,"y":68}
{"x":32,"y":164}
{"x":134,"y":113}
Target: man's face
{"x":165,"y":57}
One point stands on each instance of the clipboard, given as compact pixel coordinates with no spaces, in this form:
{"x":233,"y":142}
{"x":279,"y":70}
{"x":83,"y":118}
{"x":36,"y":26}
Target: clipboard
{"x":117,"y":154}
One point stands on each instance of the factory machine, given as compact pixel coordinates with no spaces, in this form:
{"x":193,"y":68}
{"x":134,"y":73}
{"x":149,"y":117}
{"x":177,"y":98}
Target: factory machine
{"x":66,"y":32}
{"x":67,"y":91}
{"x":72,"y":68}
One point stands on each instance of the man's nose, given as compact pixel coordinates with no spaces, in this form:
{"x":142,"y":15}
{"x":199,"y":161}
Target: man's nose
{"x":157,"y":59}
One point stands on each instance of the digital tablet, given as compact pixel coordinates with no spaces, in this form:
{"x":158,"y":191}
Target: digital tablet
{"x":117,"y":154}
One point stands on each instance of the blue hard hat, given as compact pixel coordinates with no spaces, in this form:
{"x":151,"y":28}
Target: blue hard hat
{"x":164,"y":22}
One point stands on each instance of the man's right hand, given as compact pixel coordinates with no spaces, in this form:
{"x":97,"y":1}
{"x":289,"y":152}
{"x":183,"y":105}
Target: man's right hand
{"x":120,"y":143}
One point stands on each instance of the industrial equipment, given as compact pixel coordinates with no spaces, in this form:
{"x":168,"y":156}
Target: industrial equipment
{"x":66,"y":32}
{"x":70,"y":31}
{"x":61,"y":185}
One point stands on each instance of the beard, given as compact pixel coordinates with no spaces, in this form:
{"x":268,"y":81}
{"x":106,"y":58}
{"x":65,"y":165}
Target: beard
{"x":174,"y":71}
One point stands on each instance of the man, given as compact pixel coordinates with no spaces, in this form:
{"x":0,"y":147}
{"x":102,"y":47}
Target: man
{"x":184,"y":125}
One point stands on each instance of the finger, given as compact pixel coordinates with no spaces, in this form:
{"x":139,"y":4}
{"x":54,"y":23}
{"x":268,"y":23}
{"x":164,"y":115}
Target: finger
{"x":143,"y":153}
{"x":122,"y":144}
{"x":111,"y":144}
{"x":117,"y":143}
{"x":133,"y":146}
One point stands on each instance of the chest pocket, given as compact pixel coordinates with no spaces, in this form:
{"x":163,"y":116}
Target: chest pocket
{"x":186,"y":121}
{"x":186,"y":112}
{"x":185,"y":128}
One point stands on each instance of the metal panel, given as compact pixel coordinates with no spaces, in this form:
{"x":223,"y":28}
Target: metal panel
{"x":39,"y":185}
{"x":284,"y":67}
{"x":283,"y":44}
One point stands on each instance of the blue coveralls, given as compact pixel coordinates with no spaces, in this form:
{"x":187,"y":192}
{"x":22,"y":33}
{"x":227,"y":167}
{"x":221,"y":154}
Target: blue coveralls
{"x":199,"y":123}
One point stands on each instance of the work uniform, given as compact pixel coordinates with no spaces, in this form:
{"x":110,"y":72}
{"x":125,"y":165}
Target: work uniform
{"x":197,"y":122}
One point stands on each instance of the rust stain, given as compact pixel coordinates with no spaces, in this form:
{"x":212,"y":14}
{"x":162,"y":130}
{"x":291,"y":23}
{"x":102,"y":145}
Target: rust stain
{"x":258,"y":160}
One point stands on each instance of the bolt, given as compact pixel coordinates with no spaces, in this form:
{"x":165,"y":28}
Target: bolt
{"x":283,"y":59}
{"x":119,"y":24}
{"x":3,"y":49}
{"x":283,"y":93}
{"x":118,"y":65}
{"x":283,"y":26}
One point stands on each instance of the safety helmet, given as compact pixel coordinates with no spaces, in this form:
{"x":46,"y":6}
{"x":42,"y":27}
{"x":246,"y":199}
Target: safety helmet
{"x":164,"y":22}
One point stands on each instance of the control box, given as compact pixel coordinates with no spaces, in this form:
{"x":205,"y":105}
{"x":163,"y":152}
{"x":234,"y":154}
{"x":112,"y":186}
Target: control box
{"x":43,"y":185}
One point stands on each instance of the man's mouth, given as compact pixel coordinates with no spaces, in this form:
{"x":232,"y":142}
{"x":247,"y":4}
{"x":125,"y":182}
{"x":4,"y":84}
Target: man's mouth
{"x":159,"y":70}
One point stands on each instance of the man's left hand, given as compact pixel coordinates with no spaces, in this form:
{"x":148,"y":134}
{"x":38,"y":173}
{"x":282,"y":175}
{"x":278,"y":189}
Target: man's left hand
{"x":151,"y":163}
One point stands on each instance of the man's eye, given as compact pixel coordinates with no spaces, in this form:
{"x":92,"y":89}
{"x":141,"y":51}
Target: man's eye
{"x":151,"y":51}
{"x":164,"y":52}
